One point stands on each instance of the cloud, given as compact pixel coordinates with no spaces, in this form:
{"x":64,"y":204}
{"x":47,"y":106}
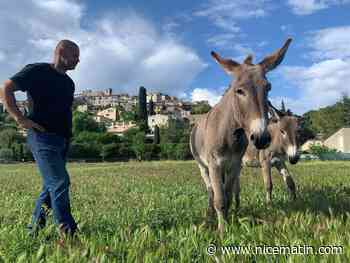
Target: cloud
{"x":263,"y":43}
{"x":297,"y":106}
{"x":230,"y":42}
{"x":319,"y":85}
{"x":224,"y":13}
{"x":212,"y":96}
{"x":307,"y":7}
{"x":222,"y":40}
{"x":331,"y":43}
{"x":287,"y":29}
{"x":2,"y":56}
{"x":122,"y":50}
{"x":324,"y":82}
{"x":170,"y":26}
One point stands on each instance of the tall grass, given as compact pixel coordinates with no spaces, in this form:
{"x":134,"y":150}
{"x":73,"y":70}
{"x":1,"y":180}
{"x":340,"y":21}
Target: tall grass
{"x":154,"y":212}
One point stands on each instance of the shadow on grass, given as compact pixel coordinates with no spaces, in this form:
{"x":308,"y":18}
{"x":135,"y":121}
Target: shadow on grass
{"x":327,"y":201}
{"x":324,"y":200}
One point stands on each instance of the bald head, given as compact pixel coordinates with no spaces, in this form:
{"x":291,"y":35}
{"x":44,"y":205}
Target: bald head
{"x":66,"y":44}
{"x":66,"y":55}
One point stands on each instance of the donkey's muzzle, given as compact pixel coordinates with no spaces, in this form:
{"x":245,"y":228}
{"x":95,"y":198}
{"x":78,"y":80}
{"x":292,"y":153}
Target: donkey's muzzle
{"x":294,"y":159}
{"x":261,"y":142}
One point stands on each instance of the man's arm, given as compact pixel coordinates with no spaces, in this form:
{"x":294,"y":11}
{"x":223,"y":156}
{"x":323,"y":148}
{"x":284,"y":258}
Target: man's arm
{"x":7,"y":94}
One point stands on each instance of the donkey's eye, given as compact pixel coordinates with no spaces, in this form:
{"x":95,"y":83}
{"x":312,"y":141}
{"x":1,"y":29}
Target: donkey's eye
{"x":240,"y":92}
{"x":283,"y":132}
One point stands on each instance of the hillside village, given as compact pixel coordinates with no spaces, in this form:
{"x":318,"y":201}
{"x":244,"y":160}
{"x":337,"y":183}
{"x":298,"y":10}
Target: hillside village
{"x":111,"y":110}
{"x":116,"y":112}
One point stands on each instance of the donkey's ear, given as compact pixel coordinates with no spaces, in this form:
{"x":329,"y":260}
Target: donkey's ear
{"x":249,"y":60}
{"x":275,"y":113}
{"x":272,"y":61}
{"x":230,"y":66}
{"x":275,"y":117}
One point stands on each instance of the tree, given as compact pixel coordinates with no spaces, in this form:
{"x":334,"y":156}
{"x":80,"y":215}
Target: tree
{"x":8,"y":137}
{"x":84,"y":150}
{"x":129,"y":115}
{"x":156,"y":135}
{"x":200,"y":108}
{"x":109,"y":151}
{"x":151,"y":151}
{"x":27,"y":154}
{"x":167,"y":151}
{"x":283,"y":108}
{"x":346,"y":105}
{"x":182,"y":151}
{"x":305,"y":133}
{"x":83,"y":121}
{"x":151,"y":108}
{"x":108,"y":138}
{"x":17,"y":151}
{"x":87,"y":137}
{"x":6,"y":154}
{"x":130,"y":134}
{"x":176,"y":132}
{"x":138,"y":145}
{"x":325,"y":121}
{"x":142,"y":114}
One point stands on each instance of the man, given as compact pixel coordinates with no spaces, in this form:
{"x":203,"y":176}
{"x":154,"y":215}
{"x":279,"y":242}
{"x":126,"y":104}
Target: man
{"x":50,"y":93}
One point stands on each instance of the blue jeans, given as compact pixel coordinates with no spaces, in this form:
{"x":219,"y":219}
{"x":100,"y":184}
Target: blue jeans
{"x":49,"y":151}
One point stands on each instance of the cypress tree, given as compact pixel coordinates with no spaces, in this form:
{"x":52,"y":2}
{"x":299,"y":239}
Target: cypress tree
{"x":151,"y":108}
{"x":283,"y":108}
{"x":143,"y":118}
{"x":156,"y":135}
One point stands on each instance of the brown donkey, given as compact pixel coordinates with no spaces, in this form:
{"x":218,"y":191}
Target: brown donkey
{"x":219,"y":140}
{"x":283,"y":128}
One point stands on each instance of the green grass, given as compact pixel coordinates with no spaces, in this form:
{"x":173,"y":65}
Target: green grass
{"x":153,"y":212}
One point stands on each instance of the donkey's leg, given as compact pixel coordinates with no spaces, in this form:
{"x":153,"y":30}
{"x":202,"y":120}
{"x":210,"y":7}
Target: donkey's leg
{"x":266,"y":173}
{"x":282,"y":169}
{"x":205,"y":175}
{"x":237,"y":190}
{"x":232,"y":184}
{"x":215,"y":174}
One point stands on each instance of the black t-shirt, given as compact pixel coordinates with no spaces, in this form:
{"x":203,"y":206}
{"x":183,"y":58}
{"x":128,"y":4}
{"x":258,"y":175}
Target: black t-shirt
{"x":51,"y":96}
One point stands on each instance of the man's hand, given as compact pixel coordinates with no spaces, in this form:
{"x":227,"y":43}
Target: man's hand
{"x":8,"y":96}
{"x":26,"y":123}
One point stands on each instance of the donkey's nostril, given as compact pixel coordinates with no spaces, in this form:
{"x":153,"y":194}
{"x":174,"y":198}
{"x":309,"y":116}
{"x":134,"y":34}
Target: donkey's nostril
{"x":252,"y":137}
{"x":294,"y":159}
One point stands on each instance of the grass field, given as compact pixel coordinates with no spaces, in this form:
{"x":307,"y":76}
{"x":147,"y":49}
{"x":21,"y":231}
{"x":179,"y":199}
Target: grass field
{"x":153,"y":212}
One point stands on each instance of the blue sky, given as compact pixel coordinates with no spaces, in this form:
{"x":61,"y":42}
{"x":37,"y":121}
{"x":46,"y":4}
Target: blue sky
{"x":165,"y":45}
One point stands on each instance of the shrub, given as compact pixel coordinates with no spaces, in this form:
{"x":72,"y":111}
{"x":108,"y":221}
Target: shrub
{"x":109,"y":151}
{"x":84,"y":150}
{"x":182,"y":151}
{"x":321,"y":149}
{"x":6,"y":154}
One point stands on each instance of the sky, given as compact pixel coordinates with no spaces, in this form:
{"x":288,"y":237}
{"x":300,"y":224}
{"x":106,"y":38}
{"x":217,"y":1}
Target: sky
{"x":165,"y":45}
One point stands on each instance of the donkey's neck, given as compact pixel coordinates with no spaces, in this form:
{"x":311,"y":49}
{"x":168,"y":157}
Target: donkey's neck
{"x":229,"y":110}
{"x":275,"y":136}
